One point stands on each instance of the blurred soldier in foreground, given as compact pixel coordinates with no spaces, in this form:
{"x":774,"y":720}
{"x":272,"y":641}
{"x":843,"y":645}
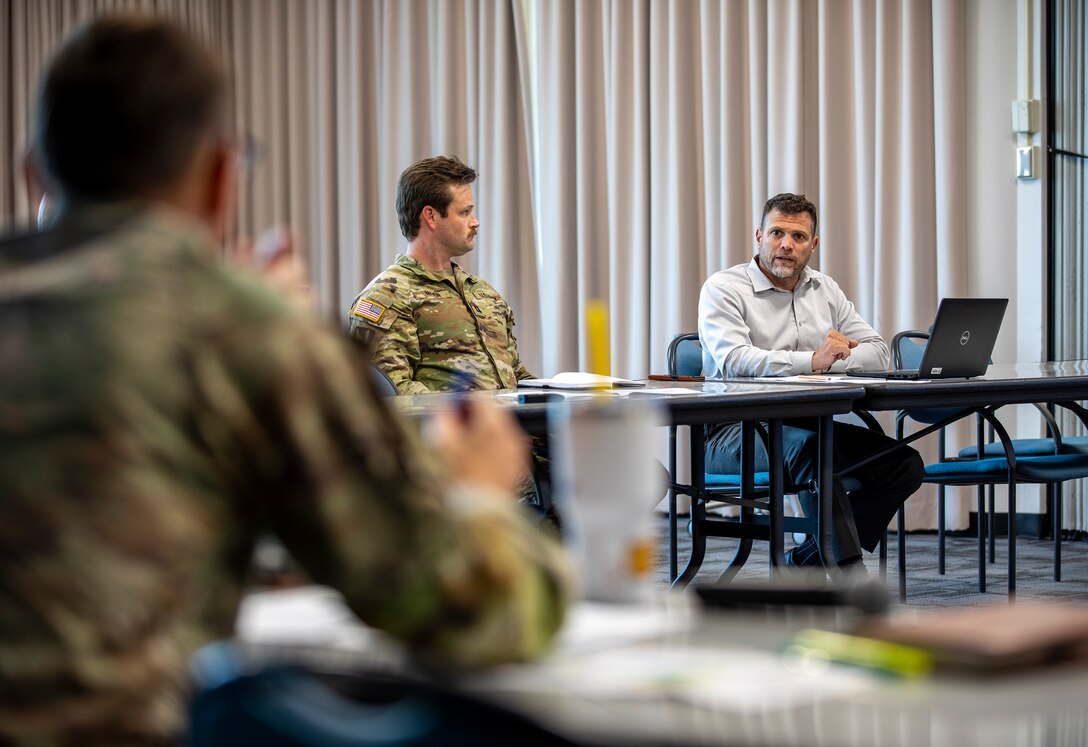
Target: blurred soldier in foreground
{"x":158,"y":411}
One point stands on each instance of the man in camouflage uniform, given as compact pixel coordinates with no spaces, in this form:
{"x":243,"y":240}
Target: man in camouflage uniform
{"x":152,"y":426}
{"x":426,"y":317}
{"x":433,"y":326}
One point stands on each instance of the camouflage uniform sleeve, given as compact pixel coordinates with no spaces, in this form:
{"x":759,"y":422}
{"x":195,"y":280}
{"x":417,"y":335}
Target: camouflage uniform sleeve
{"x":392,"y":335}
{"x":363,"y":506}
{"x":520,"y":371}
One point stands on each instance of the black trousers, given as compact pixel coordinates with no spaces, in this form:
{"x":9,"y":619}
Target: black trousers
{"x":861,"y":516}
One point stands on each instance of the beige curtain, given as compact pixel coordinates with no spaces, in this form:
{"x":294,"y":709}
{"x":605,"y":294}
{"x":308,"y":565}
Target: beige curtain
{"x":345,"y":95}
{"x":341,"y":96}
{"x":660,"y":128}
{"x":625,"y":147}
{"x":1070,"y":201}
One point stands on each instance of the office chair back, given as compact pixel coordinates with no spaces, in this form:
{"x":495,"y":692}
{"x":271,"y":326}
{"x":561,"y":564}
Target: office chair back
{"x":907,"y":350}
{"x":383,"y":385}
{"x":685,"y":355}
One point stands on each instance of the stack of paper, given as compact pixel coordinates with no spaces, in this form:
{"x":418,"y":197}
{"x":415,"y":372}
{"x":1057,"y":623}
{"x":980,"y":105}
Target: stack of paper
{"x":580,"y":380}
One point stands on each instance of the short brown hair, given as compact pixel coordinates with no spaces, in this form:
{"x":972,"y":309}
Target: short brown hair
{"x":428,"y":182}
{"x":123,"y":107}
{"x":788,"y":203}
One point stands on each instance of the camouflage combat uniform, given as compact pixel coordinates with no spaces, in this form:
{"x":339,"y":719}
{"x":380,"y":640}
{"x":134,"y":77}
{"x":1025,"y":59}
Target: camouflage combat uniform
{"x":426,"y":324}
{"x":157,"y":413}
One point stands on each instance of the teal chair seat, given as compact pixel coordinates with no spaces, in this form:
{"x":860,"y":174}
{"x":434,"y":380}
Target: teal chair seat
{"x":1037,"y":461}
{"x":762,"y":481}
{"x":685,"y":358}
{"x":1029,"y":447}
{"x":1031,"y":469}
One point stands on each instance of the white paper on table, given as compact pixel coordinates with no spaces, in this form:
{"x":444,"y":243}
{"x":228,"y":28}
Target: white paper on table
{"x":574,"y":394}
{"x":593,"y":626}
{"x":668,"y":391}
{"x":833,"y":379}
{"x":580,"y":380}
{"x":725,"y":678}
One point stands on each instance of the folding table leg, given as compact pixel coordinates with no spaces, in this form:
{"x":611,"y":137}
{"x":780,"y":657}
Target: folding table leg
{"x":991,"y":528}
{"x":747,"y":487}
{"x":1055,"y":490}
{"x":775,"y":501}
{"x":940,"y":530}
{"x":884,"y":556}
{"x":1012,"y":537}
{"x":983,"y":523}
{"x":673,"y":549}
{"x":825,"y":492}
{"x":698,"y":508}
{"x":901,"y":552}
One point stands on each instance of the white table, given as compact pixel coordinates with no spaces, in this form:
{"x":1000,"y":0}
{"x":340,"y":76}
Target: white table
{"x":667,"y":673}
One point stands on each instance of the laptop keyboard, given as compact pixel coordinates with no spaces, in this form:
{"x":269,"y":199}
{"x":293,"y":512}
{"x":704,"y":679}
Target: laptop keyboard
{"x":905,"y":373}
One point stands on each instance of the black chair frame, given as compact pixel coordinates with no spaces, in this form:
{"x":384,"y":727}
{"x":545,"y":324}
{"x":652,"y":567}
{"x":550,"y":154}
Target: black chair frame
{"x":761,"y":514}
{"x":985,"y":434}
{"x":986,"y":415}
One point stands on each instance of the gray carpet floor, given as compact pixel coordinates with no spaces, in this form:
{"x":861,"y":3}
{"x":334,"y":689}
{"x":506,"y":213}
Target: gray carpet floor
{"x":925,"y":587}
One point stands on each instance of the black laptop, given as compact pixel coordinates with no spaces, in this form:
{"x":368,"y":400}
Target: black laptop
{"x":960,"y":344}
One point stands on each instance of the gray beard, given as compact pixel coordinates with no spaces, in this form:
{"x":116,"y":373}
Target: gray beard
{"x":781,"y":272}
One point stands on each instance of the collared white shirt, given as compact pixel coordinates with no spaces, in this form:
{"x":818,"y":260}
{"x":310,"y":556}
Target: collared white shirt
{"x":748,"y":327}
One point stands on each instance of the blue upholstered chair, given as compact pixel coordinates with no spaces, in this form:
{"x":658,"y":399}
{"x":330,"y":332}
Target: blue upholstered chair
{"x":1055,"y":443}
{"x":1002,"y":463}
{"x":684,"y":357}
{"x":382,"y":383}
{"x":283,"y":706}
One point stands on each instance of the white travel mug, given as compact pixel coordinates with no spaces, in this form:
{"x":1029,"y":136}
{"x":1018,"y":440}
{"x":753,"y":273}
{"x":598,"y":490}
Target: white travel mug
{"x":606,"y":483}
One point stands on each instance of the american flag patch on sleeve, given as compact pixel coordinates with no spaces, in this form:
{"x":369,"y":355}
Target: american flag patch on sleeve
{"x":369,"y":310}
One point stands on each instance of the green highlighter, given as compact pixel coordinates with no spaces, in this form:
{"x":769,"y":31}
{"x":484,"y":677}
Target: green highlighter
{"x":892,"y":658}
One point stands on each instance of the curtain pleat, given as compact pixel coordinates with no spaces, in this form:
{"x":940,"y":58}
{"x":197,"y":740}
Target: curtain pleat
{"x":625,"y":147}
{"x":857,"y":104}
{"x":1070,"y":220}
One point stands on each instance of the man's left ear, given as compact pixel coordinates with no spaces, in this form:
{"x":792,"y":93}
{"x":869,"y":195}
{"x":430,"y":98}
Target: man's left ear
{"x":430,"y":215}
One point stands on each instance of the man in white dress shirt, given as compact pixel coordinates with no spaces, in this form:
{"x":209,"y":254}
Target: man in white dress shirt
{"x":776,"y":316}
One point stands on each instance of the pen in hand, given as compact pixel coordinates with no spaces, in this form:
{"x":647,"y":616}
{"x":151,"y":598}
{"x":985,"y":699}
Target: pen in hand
{"x":463,"y":383}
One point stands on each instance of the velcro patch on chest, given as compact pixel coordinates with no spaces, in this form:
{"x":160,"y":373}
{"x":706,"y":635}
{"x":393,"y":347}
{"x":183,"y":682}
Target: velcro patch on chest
{"x":369,"y":310}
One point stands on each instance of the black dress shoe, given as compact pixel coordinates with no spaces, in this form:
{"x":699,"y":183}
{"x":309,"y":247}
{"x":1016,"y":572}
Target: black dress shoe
{"x":805,"y":555}
{"x":854,"y":568}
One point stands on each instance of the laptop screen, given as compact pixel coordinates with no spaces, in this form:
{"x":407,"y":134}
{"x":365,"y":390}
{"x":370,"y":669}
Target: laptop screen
{"x":962,"y":338}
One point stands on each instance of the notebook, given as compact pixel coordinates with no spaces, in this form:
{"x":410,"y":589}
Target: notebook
{"x":960,"y":344}
{"x":990,"y":637}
